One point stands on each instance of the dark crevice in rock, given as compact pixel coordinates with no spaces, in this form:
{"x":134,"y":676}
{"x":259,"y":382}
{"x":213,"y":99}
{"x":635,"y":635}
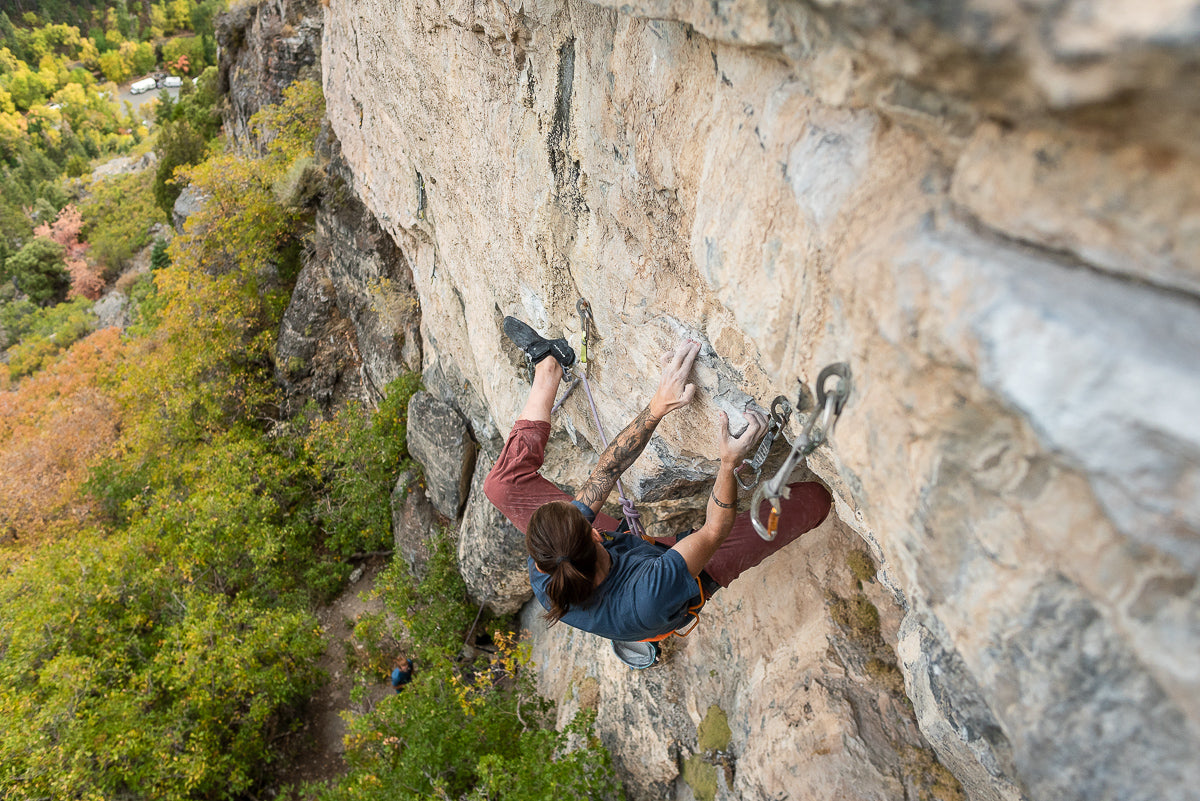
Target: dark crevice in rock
{"x":562,"y":166}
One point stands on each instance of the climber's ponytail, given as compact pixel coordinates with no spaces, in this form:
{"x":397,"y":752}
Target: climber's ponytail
{"x":559,"y":538}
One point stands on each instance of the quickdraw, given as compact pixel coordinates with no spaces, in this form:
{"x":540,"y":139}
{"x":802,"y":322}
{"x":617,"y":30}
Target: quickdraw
{"x":579,"y":369}
{"x":781,"y":412}
{"x":817,"y":430}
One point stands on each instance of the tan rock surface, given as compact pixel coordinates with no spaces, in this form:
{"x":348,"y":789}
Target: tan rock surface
{"x":989,"y":210}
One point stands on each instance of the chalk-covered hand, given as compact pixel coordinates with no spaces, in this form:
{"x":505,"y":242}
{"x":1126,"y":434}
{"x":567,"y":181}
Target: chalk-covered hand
{"x":735,"y":449}
{"x":674,"y":390}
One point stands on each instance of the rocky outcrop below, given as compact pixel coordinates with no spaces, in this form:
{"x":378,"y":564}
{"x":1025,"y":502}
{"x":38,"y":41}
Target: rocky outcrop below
{"x":263,"y":48}
{"x":352,"y":324}
{"x":124,"y":165}
{"x":990,"y":211}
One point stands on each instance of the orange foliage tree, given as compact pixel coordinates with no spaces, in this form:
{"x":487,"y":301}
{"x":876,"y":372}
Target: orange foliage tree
{"x":86,"y":279}
{"x":53,"y":427}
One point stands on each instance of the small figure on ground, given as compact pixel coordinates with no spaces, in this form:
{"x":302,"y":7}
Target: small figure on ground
{"x":588,"y":571}
{"x":402,"y":670}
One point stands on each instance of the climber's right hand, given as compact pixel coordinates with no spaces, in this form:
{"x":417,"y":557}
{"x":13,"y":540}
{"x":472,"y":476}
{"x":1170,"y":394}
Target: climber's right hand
{"x":734,"y":450}
{"x":674,"y":391}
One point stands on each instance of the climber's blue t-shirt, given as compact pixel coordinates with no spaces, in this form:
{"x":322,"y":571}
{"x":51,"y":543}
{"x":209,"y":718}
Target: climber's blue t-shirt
{"x":646,"y":593}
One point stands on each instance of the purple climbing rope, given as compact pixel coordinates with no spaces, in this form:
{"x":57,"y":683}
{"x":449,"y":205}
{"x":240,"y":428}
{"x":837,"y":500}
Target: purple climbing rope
{"x":632,"y":517}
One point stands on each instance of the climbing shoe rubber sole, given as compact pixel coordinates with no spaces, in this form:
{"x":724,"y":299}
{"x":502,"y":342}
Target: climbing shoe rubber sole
{"x":537,"y":347}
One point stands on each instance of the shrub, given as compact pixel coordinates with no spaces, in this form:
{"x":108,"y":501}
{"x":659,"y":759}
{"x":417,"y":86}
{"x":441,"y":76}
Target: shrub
{"x":15,"y":321}
{"x":300,"y":185}
{"x":48,"y":332}
{"x":38,"y":270}
{"x":144,"y":686}
{"x":358,"y":457}
{"x":159,"y":258}
{"x":464,"y":731}
{"x":179,"y":144}
{"x":435,"y":611}
{"x":117,"y":219}
{"x":53,"y":426}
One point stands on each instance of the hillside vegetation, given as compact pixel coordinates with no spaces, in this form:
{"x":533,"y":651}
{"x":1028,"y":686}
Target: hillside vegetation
{"x":167,"y":536}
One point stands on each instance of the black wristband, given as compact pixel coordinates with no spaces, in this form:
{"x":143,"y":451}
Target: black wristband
{"x":718,"y":502}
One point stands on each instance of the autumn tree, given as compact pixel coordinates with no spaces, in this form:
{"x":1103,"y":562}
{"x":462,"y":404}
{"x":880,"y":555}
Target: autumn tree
{"x":87,"y":280}
{"x":52,"y":429}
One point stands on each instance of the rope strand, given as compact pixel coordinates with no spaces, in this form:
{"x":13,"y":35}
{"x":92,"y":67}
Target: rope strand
{"x":632,"y":517}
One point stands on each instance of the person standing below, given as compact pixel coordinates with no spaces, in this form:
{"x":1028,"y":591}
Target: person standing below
{"x":402,"y":670}
{"x":589,"y":572}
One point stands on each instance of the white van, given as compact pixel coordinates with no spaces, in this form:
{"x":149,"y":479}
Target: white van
{"x":144,"y":85}
{"x":173,"y":82}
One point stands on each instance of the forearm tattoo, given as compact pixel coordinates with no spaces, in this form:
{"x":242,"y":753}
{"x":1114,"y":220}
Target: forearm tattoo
{"x":617,"y":458}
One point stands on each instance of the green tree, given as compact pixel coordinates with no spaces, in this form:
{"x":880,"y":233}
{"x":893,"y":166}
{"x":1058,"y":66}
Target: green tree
{"x":38,"y":270}
{"x":159,"y":258}
{"x":184,"y":54}
{"x":115,"y":66}
{"x":8,"y":32}
{"x":27,"y":87}
{"x":143,"y":58}
{"x":178,"y":145}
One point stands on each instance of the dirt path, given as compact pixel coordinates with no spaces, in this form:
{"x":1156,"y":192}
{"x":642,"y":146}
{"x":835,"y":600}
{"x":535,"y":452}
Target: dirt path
{"x":319,"y":750}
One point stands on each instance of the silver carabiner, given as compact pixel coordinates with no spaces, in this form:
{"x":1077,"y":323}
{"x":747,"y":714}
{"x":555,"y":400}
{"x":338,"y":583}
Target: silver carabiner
{"x":816,"y":430}
{"x":781,"y":411}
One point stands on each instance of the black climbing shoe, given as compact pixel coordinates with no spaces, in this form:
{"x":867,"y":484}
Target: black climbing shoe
{"x":538,"y":347}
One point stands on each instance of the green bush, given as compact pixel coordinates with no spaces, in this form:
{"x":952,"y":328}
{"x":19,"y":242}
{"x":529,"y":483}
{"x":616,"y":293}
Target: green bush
{"x":470,"y":731}
{"x":159,"y":258}
{"x":146,"y":306}
{"x":358,"y":457}
{"x":46,"y":333}
{"x":37,"y":269}
{"x":129,"y":682}
{"x":179,"y":144}
{"x":117,"y":218}
{"x":475,"y":738}
{"x":435,"y":611}
{"x":477,"y":731}
{"x":16,"y":319}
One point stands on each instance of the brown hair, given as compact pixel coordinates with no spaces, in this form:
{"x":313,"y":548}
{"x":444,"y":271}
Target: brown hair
{"x":559,"y":539}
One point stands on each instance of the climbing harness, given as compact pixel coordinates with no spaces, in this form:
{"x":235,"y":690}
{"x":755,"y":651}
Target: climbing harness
{"x":781,"y":411}
{"x":818,"y":429}
{"x":632,"y":518}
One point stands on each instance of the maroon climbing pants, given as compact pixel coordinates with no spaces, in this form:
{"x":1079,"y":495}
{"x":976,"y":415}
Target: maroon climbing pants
{"x":516,"y":488}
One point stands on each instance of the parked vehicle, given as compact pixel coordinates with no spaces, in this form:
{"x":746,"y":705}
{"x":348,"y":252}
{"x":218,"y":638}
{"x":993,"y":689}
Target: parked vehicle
{"x":173,"y":82}
{"x":144,"y":85}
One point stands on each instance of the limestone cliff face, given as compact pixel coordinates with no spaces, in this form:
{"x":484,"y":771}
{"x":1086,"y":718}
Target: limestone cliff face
{"x":991,"y":211}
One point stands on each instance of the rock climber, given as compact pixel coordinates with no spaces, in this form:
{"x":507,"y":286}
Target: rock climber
{"x":589,"y":572}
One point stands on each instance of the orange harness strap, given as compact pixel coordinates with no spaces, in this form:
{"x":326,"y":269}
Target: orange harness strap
{"x":693,"y":610}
